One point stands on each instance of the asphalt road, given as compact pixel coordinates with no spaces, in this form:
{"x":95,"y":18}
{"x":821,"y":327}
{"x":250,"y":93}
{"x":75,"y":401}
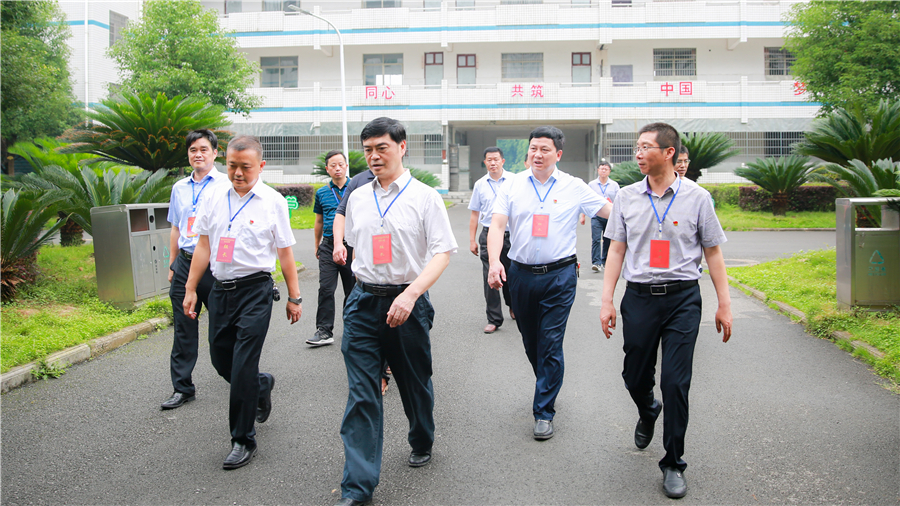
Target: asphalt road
{"x":778,"y":416}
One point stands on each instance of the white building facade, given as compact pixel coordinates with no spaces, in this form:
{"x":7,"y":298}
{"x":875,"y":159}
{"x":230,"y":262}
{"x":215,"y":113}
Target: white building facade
{"x":465,"y":74}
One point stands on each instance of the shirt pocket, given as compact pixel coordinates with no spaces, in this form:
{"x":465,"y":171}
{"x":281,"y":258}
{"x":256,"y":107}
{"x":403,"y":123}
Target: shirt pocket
{"x":256,"y":233}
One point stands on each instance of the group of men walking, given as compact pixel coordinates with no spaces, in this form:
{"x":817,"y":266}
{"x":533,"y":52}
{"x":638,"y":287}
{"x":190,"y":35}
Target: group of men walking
{"x":391,"y":241}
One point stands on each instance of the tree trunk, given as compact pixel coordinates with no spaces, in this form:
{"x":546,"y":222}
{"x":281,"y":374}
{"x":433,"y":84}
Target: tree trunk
{"x":779,"y":203}
{"x":71,"y":234}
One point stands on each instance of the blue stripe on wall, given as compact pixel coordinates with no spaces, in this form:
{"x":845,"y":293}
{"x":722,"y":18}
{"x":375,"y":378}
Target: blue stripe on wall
{"x":80,"y":22}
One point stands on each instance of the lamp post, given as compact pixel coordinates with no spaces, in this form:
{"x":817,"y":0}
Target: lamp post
{"x":343,"y":81}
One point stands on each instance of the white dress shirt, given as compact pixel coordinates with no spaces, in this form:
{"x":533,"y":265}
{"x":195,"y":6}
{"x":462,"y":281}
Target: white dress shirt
{"x":564,"y":197}
{"x":258,"y":229}
{"x":484,"y":193}
{"x":417,"y":222}
{"x":187,"y":196}
{"x":607,"y":191}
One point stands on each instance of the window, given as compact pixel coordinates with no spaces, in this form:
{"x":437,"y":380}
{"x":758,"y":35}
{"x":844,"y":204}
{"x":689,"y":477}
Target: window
{"x":282,"y":148}
{"x":581,"y":3}
{"x":581,"y":67}
{"x":434,"y":144}
{"x":621,"y":74}
{"x":465,"y":69}
{"x":522,"y":66}
{"x":431,"y":5}
{"x":621,"y":3}
{"x":520,"y":2}
{"x":434,"y":69}
{"x":278,"y":72}
{"x":465,"y":5}
{"x":233,"y":6}
{"x":378,"y":67}
{"x":668,"y":63}
{"x":117,"y":23}
{"x":779,"y":144}
{"x":778,"y":61}
{"x":279,"y":5}
{"x":380,"y":4}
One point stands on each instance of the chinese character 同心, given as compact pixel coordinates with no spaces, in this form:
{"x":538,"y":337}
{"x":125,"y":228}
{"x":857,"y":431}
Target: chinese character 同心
{"x":371,"y":92}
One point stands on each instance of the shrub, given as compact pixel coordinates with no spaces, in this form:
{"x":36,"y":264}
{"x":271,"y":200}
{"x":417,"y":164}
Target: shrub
{"x":626,"y":173}
{"x":778,"y":176}
{"x":724,"y":193}
{"x":707,"y":149}
{"x":425,"y":177}
{"x":845,"y":135}
{"x":805,"y":198}
{"x":304,"y":193}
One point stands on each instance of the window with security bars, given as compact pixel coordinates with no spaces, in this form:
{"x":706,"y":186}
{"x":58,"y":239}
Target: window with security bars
{"x":281,"y":148}
{"x":380,"y":4}
{"x":620,"y":146}
{"x":278,"y":72}
{"x":669,"y":63}
{"x":522,"y":66}
{"x":279,"y":5}
{"x":117,"y":23}
{"x":778,"y":61}
{"x":382,"y":65}
{"x":778,"y":144}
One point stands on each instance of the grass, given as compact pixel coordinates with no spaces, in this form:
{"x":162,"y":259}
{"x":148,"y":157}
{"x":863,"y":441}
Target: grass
{"x":303,"y":218}
{"x":814,"y":293}
{"x":62,"y":309}
{"x":733,"y":218}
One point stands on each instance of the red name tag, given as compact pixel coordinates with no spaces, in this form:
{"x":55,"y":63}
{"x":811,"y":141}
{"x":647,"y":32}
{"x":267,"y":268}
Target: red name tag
{"x":659,"y":254}
{"x":190,"y":227}
{"x":226,"y":250}
{"x":540,"y":225}
{"x":381,"y":249}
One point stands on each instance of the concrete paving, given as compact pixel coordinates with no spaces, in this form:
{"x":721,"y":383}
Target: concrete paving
{"x":778,"y":416}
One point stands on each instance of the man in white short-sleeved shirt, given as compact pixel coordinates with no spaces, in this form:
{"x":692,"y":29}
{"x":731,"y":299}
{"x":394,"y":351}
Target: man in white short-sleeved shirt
{"x":243,"y":228}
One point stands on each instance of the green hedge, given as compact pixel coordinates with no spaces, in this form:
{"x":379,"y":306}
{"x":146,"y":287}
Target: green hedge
{"x":304,"y":192}
{"x":724,"y":193}
{"x":805,"y":198}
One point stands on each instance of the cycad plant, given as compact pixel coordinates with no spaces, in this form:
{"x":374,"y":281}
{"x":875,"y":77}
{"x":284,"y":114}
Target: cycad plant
{"x":357,"y":164}
{"x":845,"y":135}
{"x":146,"y":132}
{"x":707,"y":149}
{"x":779,"y":177}
{"x":856,"y":179}
{"x":86,"y":189}
{"x":626,"y":173}
{"x":23,"y":215}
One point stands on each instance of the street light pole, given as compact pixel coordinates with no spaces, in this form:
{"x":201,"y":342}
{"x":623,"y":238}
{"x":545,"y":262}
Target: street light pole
{"x":343,"y":80}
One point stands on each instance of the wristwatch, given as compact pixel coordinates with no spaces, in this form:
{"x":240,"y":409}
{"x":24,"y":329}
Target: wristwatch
{"x":298,"y":300}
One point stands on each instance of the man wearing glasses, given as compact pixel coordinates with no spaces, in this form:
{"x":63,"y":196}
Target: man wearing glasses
{"x":607,"y":190}
{"x":660,"y":228}
{"x":681,"y":166}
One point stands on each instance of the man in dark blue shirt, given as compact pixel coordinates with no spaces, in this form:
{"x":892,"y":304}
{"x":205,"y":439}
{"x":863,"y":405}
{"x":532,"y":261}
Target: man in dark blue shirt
{"x":327,"y":200}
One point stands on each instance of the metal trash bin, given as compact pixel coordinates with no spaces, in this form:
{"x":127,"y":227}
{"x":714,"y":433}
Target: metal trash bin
{"x":868,"y":259}
{"x":131,"y":251}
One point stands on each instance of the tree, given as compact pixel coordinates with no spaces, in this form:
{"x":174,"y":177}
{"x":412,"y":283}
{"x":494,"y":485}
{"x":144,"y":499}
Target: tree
{"x":707,"y":150}
{"x":146,"y":132}
{"x":36,"y":90}
{"x":178,"y":48}
{"x":856,"y":179}
{"x":847,"y":53}
{"x":626,"y":173}
{"x":843,"y":135}
{"x":778,"y":176}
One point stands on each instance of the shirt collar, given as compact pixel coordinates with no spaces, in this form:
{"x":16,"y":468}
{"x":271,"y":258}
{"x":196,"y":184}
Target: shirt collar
{"x":331,"y":183}
{"x":503,"y":175}
{"x":398,"y":183}
{"x":671,"y":187}
{"x":212,"y":174}
{"x":552,"y":175}
{"x":253,"y":189}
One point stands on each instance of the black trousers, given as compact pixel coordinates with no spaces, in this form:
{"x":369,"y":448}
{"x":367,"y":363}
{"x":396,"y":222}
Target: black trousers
{"x":672,"y":320}
{"x":186,"y":341}
{"x":491,"y":295}
{"x":238,"y":323}
{"x":328,"y":278}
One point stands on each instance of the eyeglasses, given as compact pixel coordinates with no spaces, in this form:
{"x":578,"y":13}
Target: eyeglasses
{"x":644,"y":149}
{"x":682,"y":162}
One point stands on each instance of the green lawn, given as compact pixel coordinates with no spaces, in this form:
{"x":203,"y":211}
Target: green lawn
{"x":303,"y":218}
{"x":62,"y":309}
{"x":733,"y":218}
{"x":814,"y":293}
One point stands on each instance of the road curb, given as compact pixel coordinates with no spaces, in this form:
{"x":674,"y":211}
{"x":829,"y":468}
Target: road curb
{"x":837,"y":335}
{"x":21,"y":375}
{"x":792,"y":229}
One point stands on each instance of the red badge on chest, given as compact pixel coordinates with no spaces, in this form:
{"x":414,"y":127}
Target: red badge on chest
{"x":381,"y":249}
{"x":659,"y":254}
{"x":225,"y":253}
{"x":540,"y":225}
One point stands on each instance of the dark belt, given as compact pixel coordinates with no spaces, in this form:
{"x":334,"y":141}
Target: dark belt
{"x":488,"y":229}
{"x":186,"y":255}
{"x":252,"y":279}
{"x":382,"y":290}
{"x":544,"y":269}
{"x":675,"y":286}
{"x":328,"y":239}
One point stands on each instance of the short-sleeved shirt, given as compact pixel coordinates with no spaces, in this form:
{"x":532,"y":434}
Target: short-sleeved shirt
{"x":417,"y":222}
{"x":607,"y":190}
{"x":484,"y":193}
{"x":564,"y":198}
{"x":187,"y":195}
{"x":260,"y":226}
{"x":355,"y":182}
{"x":327,"y":200}
{"x":689,"y":226}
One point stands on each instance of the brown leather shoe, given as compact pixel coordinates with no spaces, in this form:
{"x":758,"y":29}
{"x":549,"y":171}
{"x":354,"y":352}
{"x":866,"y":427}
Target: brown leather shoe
{"x":490,"y":328}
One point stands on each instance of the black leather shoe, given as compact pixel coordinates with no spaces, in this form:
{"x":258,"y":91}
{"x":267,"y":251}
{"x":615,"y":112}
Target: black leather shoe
{"x":176,"y":400}
{"x":543,"y":429}
{"x":239,"y":457}
{"x":346,"y":501}
{"x":643,"y":432}
{"x":419,"y":459}
{"x":673,"y":483}
{"x":265,"y":404}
